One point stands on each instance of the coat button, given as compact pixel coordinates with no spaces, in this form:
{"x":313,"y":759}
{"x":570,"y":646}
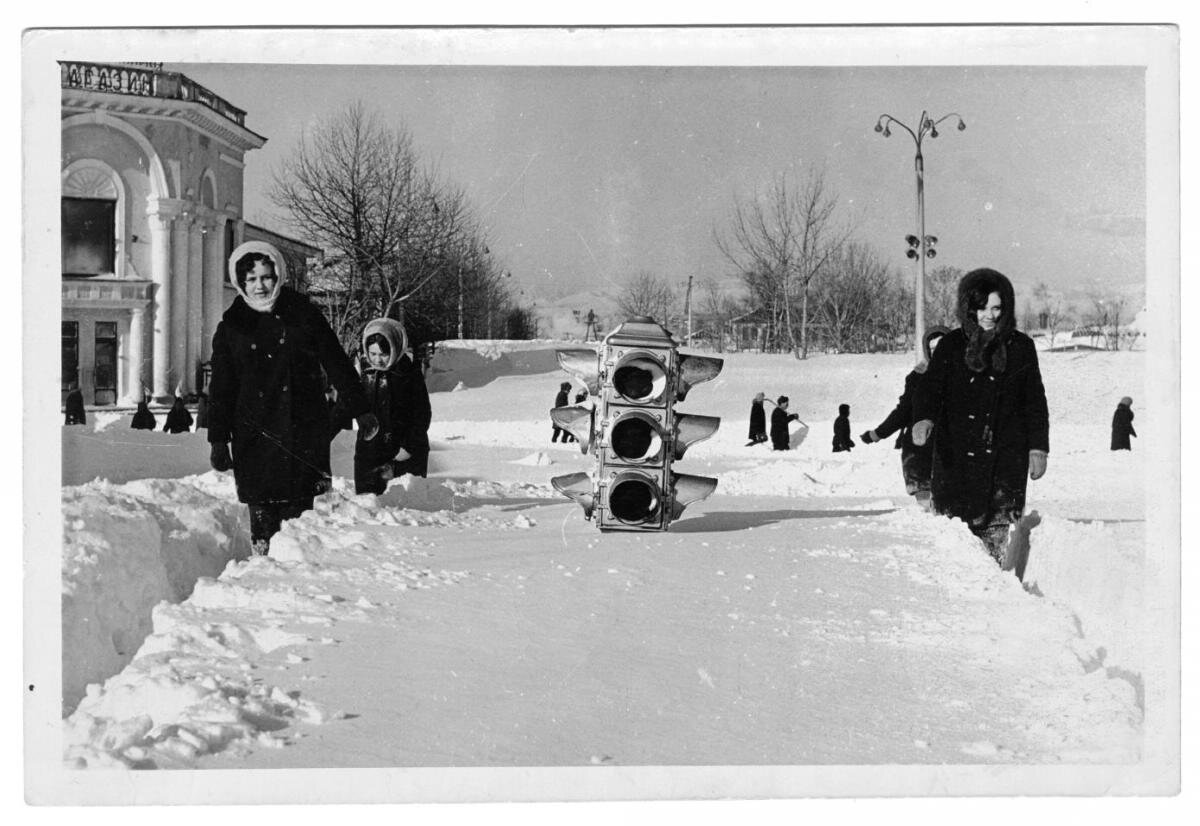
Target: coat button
{"x":253,"y":346}
{"x":281,"y":341}
{"x":285,"y":388}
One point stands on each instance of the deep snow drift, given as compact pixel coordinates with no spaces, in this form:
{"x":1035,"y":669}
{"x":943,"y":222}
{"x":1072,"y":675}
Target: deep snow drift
{"x":807,"y":613}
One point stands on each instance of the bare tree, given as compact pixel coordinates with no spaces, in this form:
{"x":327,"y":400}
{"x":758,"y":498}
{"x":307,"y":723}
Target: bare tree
{"x":647,"y":294}
{"x":1105,"y":320}
{"x":850,"y":300}
{"x":941,"y":296}
{"x":781,"y":240}
{"x":399,"y":241}
{"x":718,"y":308}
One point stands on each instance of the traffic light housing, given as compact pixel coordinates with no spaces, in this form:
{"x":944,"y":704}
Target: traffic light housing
{"x":632,"y":428}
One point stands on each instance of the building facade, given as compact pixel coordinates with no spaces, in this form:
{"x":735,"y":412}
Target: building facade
{"x":152,"y":176}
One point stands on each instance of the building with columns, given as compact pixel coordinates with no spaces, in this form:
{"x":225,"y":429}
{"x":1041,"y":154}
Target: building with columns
{"x":152,"y":173}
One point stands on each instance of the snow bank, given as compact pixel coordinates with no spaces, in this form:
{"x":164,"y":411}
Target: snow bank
{"x":125,"y":549}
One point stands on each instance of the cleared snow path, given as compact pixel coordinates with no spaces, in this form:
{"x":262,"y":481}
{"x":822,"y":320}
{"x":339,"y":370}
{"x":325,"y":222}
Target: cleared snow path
{"x":754,"y":632}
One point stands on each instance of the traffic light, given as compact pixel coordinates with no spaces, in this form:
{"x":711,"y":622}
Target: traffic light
{"x":632,"y":428}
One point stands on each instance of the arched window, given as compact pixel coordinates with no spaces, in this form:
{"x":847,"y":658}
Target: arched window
{"x":92,"y":220}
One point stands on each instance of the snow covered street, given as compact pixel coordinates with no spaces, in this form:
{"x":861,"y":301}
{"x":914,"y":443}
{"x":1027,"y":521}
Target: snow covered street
{"x":808,"y":613}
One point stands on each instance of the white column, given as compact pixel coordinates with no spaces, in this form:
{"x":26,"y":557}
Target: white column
{"x":195,"y":308}
{"x":180,"y":253}
{"x":214,"y":282}
{"x":135,"y":383}
{"x":160,"y":215}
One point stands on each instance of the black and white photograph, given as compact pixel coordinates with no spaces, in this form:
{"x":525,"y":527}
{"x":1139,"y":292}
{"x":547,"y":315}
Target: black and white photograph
{"x":600,"y":413}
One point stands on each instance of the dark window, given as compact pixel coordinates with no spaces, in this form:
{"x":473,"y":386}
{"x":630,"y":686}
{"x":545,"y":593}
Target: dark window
{"x":105,"y":378}
{"x":70,"y":355}
{"x":89,"y":243}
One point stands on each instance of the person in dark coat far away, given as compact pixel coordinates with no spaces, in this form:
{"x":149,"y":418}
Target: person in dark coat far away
{"x":143,"y":419}
{"x":916,"y":463}
{"x":758,"y":420}
{"x":562,"y":399}
{"x":179,"y":420}
{"x":396,"y":393}
{"x":984,"y":404}
{"x":780,"y":438}
{"x":267,"y":393}
{"x":841,"y":430}
{"x":1122,"y":425}
{"x":74,"y":408}
{"x":201,"y":410}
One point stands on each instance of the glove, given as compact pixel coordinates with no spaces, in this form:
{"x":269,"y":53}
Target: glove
{"x":1037,"y":464}
{"x":403,"y":455}
{"x":921,"y":431}
{"x":368,"y":425}
{"x":868,"y":437}
{"x":219,"y":458}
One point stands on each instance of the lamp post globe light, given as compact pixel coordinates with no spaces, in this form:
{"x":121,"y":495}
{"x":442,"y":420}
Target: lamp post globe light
{"x":920,"y":246}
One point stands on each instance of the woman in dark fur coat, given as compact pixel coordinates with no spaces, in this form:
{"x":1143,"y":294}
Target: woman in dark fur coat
{"x":984,"y":404}
{"x":1122,"y":425}
{"x":267,"y":394}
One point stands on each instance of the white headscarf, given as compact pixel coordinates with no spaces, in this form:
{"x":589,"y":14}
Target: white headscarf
{"x":262,"y":305}
{"x":391,"y":330}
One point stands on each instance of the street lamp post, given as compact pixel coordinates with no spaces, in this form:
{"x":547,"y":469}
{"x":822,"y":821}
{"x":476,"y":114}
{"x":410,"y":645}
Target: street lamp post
{"x":920,"y":246}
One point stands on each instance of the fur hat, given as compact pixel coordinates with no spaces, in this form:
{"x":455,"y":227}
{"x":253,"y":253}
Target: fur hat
{"x":1126,"y":401}
{"x":262,"y":248}
{"x":985,"y":347}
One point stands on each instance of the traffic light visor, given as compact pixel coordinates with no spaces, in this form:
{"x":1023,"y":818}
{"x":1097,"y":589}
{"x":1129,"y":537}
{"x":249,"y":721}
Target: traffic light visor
{"x":583,"y":364}
{"x":578,"y":420}
{"x":696,"y":369}
{"x":577,"y":486}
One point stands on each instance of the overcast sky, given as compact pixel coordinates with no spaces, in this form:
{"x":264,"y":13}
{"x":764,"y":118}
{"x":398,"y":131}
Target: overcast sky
{"x":584,"y":175}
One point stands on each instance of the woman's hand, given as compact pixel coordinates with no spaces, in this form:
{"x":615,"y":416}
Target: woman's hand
{"x":403,"y":455}
{"x":1037,"y":464}
{"x":219,"y":457}
{"x":368,"y":425}
{"x":921,"y":431}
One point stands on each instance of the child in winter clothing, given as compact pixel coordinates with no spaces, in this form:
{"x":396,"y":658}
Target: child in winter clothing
{"x":561,"y":399}
{"x":179,"y":420}
{"x":780,"y":438}
{"x":916,"y":463}
{"x":758,"y":420}
{"x":143,"y":419}
{"x":841,"y":430}
{"x":395,"y":390}
{"x":1122,"y":425}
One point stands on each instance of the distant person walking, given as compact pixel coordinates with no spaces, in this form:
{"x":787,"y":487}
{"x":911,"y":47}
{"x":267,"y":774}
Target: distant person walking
{"x":179,"y":420}
{"x":1122,"y":425}
{"x":758,"y":420}
{"x":984,"y":404}
{"x":270,"y":355}
{"x":841,"y":430}
{"x":562,"y":399}
{"x":143,"y":419}
{"x":916,"y":463}
{"x":74,"y":407}
{"x":780,"y":438}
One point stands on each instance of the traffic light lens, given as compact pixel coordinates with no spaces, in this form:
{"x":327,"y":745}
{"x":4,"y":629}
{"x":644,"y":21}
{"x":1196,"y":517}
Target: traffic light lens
{"x":639,"y":380}
{"x":635,"y":439}
{"x":632,"y":501}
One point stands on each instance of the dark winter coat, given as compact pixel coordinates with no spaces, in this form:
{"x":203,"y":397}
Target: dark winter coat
{"x":143,"y":419}
{"x":1122,"y":427}
{"x":985,"y":424}
{"x":399,"y":399}
{"x":780,"y":438}
{"x":841,"y":434}
{"x":915,"y":461}
{"x":74,"y":408}
{"x":202,"y":411}
{"x":758,"y":422}
{"x":179,"y":420}
{"x":267,"y":396}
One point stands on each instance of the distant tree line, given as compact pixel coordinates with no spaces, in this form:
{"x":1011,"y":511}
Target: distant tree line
{"x":400,"y":239}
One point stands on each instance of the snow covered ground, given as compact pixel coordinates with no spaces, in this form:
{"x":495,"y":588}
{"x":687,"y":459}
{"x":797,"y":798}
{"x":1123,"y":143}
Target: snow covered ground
{"x":807,"y":613}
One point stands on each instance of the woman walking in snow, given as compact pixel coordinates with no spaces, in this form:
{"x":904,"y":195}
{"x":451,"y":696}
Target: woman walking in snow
{"x":267,"y":394}
{"x":143,"y":419}
{"x":916,"y":463}
{"x":983,"y":402}
{"x":758,"y":420}
{"x":1122,"y":425}
{"x":179,"y":420}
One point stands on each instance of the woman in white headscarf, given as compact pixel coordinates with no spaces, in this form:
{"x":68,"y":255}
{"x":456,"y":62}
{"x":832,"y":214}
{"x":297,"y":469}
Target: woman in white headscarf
{"x":272,"y":352}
